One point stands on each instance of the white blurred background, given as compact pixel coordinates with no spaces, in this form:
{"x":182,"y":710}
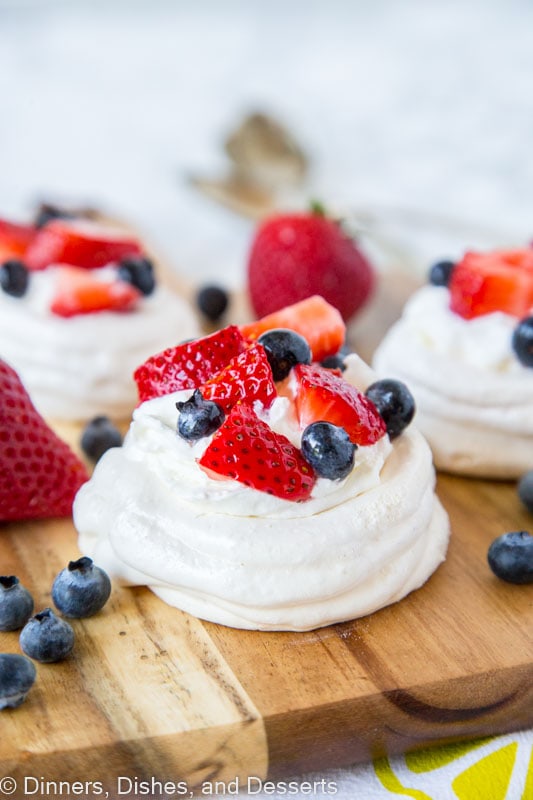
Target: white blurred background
{"x":421,"y":112}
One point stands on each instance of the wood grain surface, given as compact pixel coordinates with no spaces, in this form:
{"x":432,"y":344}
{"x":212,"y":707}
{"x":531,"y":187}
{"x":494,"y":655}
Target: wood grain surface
{"x":152,"y":692}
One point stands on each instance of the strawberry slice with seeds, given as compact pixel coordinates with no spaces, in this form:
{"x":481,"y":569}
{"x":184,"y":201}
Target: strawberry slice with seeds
{"x":188,"y":365}
{"x":39,"y":473}
{"x":314,"y":319}
{"x":247,"y":450}
{"x":78,"y":291}
{"x":80,"y":243}
{"x":248,"y":376}
{"x":323,"y":395}
{"x":498,"y":281}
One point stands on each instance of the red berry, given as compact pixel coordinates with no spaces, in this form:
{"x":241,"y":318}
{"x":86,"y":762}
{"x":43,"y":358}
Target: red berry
{"x":294,"y":256}
{"x":81,"y":244}
{"x":313,"y":318}
{"x":80,"y":291}
{"x":14,"y":239}
{"x":39,"y":474}
{"x":188,"y":365}
{"x":246,"y":449}
{"x":499,"y":281}
{"x":248,"y":376}
{"x":324,"y":395}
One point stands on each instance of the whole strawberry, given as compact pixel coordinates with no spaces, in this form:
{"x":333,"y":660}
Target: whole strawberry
{"x":39,"y":473}
{"x":294,"y":256}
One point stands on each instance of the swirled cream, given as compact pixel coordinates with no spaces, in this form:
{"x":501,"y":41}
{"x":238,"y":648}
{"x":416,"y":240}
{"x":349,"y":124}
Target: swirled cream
{"x":240,"y":557}
{"x":474,"y":398}
{"x":75,"y":368}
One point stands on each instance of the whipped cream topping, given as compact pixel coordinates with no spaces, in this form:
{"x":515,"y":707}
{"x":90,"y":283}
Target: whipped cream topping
{"x":474,"y":398}
{"x":230,"y":554}
{"x":77,"y":367}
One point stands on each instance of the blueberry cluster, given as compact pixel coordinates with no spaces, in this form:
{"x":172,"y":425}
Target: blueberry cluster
{"x":79,"y":590}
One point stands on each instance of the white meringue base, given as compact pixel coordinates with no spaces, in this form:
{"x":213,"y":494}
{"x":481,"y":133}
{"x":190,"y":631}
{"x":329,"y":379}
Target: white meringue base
{"x":235,"y":556}
{"x":78,"y":367}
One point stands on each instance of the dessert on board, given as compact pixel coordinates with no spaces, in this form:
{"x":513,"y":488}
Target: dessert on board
{"x":80,"y":306}
{"x":464,"y":345}
{"x":260,"y":489}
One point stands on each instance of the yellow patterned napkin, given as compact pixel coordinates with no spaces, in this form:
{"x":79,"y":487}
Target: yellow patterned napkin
{"x":495,"y":768}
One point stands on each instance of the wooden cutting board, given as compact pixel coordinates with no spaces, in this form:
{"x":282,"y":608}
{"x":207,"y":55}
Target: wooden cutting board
{"x":150,"y":692}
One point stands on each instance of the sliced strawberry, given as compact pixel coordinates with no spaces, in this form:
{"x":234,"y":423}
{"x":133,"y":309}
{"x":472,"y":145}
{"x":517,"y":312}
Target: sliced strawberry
{"x":499,"y":281}
{"x":82,"y":244}
{"x":323,"y":395}
{"x":79,"y":291}
{"x":39,"y":474}
{"x":248,"y":376}
{"x":188,"y":365}
{"x":315,"y":319}
{"x":246,"y":449}
{"x":14,"y":239}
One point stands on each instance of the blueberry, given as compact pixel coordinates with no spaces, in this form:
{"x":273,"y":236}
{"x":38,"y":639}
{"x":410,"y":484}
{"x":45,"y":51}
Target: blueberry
{"x":394,"y":402}
{"x":16,"y":603}
{"x":336,"y":361}
{"x":139,"y":272}
{"x":198,"y":417}
{"x":284,"y":349}
{"x":81,"y":589}
{"x":14,"y":277}
{"x":328,"y":449}
{"x":47,"y":212}
{"x":525,"y":490}
{"x":17,"y":676}
{"x":99,"y":435}
{"x":510,"y":557}
{"x":47,"y":638}
{"x":522,"y":341}
{"x":441,"y":272}
{"x":212,"y":301}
